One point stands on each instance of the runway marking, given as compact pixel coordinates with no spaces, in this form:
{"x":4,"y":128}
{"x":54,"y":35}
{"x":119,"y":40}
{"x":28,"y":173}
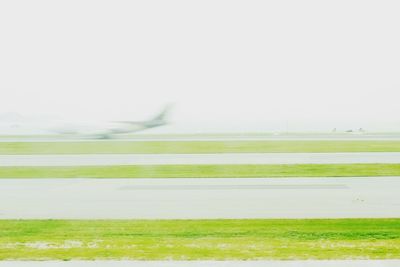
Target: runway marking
{"x":235,"y":187}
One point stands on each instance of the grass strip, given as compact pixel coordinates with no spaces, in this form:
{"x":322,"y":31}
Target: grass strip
{"x":200,"y":239}
{"x":120,"y":147}
{"x":203,"y":171}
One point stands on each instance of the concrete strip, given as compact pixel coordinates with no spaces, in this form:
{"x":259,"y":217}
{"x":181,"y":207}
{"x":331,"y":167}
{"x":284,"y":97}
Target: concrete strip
{"x":223,"y":158}
{"x":209,"y":137}
{"x":309,"y":263}
{"x":212,"y":198}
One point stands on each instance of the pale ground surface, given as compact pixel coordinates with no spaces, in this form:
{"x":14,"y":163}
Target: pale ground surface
{"x":223,"y":158}
{"x":212,"y":198}
{"x":209,"y":137}
{"x":331,"y":263}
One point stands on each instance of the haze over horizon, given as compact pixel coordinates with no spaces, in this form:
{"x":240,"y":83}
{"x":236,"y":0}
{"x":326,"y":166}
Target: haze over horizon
{"x":245,"y":66}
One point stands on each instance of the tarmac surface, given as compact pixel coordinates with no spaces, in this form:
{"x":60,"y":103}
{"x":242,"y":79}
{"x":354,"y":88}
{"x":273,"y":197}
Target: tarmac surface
{"x":308,"y":263}
{"x":222,"y":158}
{"x":208,"y":137}
{"x":212,"y":198}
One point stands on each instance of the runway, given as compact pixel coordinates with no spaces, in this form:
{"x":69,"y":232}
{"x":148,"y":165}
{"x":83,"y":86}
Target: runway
{"x":375,"y":197}
{"x":223,"y":158}
{"x":294,"y":263}
{"x":210,"y":137}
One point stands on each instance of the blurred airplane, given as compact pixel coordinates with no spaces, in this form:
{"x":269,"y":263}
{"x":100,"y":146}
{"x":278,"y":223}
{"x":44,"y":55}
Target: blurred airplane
{"x":113,"y":128}
{"x":359,"y":131}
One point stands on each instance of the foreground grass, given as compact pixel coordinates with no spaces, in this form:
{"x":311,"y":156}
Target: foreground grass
{"x":120,"y":147}
{"x":200,"y":239}
{"x":203,"y":171}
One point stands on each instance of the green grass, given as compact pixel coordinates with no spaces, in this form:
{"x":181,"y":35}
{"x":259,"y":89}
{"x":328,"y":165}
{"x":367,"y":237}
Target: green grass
{"x":203,"y":171}
{"x":200,"y":239}
{"x":122,"y":147}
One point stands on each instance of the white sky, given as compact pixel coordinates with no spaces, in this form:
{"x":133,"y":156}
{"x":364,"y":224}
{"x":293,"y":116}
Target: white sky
{"x":244,"y":64}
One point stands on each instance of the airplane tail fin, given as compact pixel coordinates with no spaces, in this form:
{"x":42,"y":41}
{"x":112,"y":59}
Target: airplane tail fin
{"x":162,"y":116}
{"x":159,"y":120}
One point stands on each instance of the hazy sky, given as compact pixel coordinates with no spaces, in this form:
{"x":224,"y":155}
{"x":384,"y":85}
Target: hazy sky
{"x":237,"y":63}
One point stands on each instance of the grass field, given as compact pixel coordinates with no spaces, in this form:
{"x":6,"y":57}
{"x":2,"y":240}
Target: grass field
{"x":203,"y":171}
{"x":120,"y":147}
{"x":200,"y":239}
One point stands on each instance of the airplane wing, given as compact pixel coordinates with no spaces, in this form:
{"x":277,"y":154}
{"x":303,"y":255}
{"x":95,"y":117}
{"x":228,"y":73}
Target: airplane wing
{"x":118,"y":127}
